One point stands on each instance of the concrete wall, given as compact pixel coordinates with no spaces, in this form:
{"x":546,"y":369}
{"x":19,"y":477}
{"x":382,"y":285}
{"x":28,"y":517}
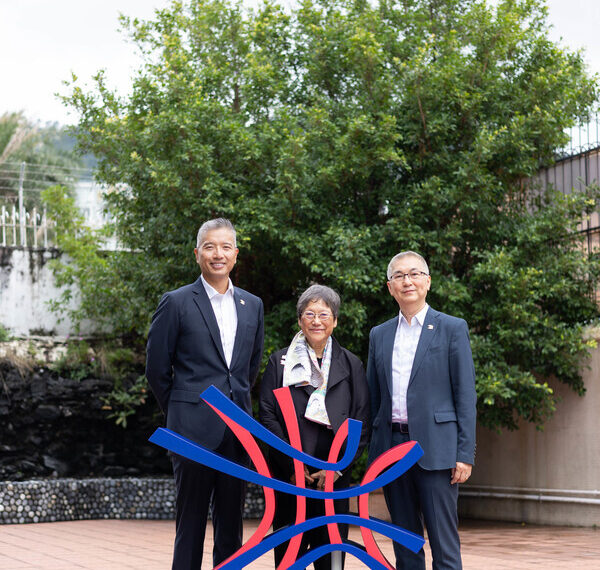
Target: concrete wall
{"x":26,"y":286}
{"x":547,"y":477}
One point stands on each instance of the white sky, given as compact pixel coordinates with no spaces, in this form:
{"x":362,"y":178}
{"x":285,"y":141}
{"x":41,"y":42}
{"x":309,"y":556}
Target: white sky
{"x":43,"y":41}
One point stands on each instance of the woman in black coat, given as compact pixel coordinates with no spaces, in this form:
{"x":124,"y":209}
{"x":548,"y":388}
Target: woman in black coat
{"x":327,"y":385}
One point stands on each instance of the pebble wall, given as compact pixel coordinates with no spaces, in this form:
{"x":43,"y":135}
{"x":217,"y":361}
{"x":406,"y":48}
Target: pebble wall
{"x":81,"y":499}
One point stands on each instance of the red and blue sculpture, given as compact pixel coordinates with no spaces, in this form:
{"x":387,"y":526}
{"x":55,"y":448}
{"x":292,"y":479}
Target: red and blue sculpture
{"x":396,"y":460}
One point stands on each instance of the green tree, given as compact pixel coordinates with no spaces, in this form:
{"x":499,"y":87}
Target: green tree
{"x":338,"y":133}
{"x":42,"y":148}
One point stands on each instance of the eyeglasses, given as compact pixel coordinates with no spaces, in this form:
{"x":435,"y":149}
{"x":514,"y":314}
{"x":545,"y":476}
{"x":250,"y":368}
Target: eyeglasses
{"x":310,"y":316}
{"x":412,"y":275}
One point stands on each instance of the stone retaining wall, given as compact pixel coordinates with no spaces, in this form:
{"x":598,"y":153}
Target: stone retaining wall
{"x":81,"y":499}
{"x":52,"y":427}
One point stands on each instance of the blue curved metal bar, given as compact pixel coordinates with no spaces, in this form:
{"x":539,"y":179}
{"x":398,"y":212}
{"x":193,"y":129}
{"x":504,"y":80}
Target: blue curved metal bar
{"x":215,"y":397}
{"x":412,"y":541}
{"x":315,"y":553}
{"x":187,"y":448}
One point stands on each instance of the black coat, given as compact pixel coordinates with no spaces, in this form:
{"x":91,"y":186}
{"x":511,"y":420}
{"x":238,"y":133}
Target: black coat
{"x":347,"y":397}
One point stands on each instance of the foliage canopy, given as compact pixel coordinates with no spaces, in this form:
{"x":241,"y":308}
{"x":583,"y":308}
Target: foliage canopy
{"x":42,"y":148}
{"x":336,"y":134}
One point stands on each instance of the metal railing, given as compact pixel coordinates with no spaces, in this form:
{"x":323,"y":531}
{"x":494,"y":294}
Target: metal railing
{"x":23,"y":218}
{"x":20,"y":228}
{"x":582,"y":138}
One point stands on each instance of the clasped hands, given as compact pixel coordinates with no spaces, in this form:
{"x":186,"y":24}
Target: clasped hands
{"x":316,"y":479}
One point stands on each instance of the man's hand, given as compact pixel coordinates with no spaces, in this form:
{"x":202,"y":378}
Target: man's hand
{"x":461,"y":472}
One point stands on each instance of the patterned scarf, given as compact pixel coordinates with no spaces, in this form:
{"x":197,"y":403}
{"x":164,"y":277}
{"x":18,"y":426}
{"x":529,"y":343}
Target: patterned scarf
{"x":301,"y":368}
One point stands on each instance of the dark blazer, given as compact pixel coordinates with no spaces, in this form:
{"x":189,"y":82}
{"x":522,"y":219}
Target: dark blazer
{"x":347,"y":397}
{"x":441,"y":396}
{"x":185,"y":356}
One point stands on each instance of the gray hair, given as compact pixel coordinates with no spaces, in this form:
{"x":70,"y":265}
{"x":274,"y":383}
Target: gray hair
{"x":319,"y":293}
{"x":214,"y":225}
{"x":402,"y":254}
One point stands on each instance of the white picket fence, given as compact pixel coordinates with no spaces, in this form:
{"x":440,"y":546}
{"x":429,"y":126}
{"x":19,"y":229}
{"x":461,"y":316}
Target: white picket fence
{"x":24,"y":228}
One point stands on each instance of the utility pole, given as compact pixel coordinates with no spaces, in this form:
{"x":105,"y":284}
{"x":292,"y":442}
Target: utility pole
{"x":22,"y":226}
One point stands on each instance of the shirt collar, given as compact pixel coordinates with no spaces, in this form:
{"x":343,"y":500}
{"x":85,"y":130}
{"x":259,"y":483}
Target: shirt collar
{"x":212,"y":292}
{"x":420,"y":316}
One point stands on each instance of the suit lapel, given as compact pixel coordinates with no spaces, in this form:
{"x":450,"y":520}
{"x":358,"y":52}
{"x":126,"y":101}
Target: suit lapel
{"x":241,"y":308}
{"x":429,"y":330}
{"x":387,"y":347}
{"x":203,"y":303}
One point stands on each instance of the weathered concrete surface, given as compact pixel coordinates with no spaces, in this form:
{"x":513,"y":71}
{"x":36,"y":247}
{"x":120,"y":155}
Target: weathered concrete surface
{"x":26,"y":286}
{"x":547,"y":477}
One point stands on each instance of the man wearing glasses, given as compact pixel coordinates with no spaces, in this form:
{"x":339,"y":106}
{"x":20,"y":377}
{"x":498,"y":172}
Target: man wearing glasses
{"x":422,"y":387}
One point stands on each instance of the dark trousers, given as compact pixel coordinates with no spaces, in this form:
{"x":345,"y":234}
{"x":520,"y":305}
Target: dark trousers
{"x":285,"y":514}
{"x":285,"y":511}
{"x":198,"y":488}
{"x":420,"y":496}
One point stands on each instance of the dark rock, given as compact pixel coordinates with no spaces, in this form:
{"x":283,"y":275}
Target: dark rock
{"x":114,"y":471}
{"x":95,"y":384}
{"x":57,"y":465}
{"x":27,"y":465}
{"x":46,"y":412}
{"x":38,"y":386}
{"x":68,"y":423}
{"x":66,"y":411}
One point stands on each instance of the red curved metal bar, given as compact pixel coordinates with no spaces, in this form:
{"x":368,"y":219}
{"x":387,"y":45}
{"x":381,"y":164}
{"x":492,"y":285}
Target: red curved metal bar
{"x":334,"y":452}
{"x":257,"y":457}
{"x":284,"y":399}
{"x":382,"y":462}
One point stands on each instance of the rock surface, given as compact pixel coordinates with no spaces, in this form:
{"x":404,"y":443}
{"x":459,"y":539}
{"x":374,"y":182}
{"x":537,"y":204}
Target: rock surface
{"x":57,"y":427}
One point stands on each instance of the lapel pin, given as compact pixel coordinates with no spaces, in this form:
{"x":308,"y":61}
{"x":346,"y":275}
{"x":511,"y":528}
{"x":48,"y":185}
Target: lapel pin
{"x":430,"y":327}
{"x":242,"y":301}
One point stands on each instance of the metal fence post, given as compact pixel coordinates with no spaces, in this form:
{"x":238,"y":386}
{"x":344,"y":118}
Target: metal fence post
{"x":34,"y":226}
{"x":45,"y":226}
{"x":14,"y":225}
{"x":22,"y":227}
{"x":3,"y":219}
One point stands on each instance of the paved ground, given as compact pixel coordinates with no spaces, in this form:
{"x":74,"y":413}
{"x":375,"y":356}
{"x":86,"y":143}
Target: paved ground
{"x":146,"y":545}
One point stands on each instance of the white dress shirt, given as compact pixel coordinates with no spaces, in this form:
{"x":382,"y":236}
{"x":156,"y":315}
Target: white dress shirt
{"x":405,"y":347}
{"x":224,"y":308}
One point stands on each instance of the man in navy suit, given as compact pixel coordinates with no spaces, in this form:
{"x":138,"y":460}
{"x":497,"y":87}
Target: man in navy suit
{"x":422,"y":386}
{"x":208,"y":332}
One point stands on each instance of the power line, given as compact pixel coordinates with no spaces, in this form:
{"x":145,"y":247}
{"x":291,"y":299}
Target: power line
{"x":48,"y":168}
{"x":41,"y":180}
{"x":45,"y":166}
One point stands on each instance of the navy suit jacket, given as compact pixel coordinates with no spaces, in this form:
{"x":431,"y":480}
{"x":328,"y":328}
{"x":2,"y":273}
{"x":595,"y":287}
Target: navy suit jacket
{"x":441,"y":397}
{"x":185,"y":356}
